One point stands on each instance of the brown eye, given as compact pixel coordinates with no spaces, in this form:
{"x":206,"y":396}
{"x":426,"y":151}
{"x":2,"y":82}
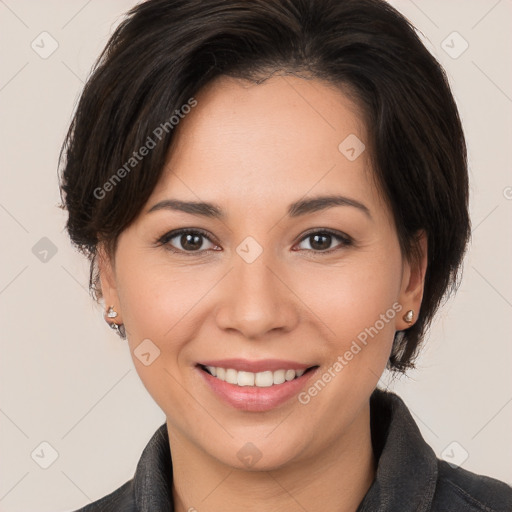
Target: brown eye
{"x":186,"y":241}
{"x":321,"y":241}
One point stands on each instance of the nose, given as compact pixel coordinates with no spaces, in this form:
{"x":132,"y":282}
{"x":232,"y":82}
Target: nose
{"x":257,"y":299}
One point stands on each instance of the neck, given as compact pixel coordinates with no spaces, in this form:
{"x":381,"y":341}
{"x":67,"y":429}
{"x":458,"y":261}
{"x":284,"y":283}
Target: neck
{"x":337,"y":478}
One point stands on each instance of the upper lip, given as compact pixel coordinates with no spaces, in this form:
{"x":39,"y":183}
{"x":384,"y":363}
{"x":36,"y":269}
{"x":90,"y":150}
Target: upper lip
{"x":260,"y":365}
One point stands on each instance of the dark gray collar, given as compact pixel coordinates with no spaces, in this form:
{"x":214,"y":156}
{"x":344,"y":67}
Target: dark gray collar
{"x":406,"y":472}
{"x":407,"y":466}
{"x":153,"y":476}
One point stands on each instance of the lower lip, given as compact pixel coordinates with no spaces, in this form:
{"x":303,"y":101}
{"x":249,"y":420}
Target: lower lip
{"x":255,"y":399}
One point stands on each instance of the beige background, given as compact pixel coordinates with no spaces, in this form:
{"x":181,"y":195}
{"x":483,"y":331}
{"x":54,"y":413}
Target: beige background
{"x":66,"y":379}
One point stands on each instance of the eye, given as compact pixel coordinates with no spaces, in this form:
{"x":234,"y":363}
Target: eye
{"x":320,"y":241}
{"x":190,"y":240}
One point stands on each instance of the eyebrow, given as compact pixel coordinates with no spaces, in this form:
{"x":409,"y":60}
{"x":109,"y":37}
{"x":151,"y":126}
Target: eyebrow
{"x":297,"y":209}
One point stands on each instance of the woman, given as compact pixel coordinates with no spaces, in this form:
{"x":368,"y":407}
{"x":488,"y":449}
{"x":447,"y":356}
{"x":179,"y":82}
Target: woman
{"x":274,"y":199}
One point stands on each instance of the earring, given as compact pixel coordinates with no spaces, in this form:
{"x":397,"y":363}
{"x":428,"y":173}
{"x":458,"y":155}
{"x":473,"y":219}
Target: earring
{"x":408,"y":316}
{"x":119,"y":328}
{"x":111,"y":313}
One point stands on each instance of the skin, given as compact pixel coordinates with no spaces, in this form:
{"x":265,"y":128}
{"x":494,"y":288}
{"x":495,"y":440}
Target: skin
{"x":253,"y":150}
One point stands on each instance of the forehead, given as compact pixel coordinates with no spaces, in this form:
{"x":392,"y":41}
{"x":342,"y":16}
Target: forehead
{"x":264,"y":144}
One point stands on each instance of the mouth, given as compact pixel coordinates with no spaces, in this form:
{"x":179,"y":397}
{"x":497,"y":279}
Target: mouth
{"x":255,"y":386}
{"x":261,"y":379}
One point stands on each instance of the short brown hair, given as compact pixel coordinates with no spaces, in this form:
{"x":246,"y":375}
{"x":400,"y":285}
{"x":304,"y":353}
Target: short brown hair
{"x":165,"y":51}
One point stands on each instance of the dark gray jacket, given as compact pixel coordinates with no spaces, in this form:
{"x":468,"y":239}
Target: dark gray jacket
{"x":409,"y":476}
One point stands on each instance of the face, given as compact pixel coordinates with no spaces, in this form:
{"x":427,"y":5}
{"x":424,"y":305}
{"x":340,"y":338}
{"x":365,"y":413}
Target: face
{"x":263,"y":280}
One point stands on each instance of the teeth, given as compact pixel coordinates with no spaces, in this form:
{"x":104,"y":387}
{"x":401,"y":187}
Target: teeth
{"x":245,"y":379}
{"x":279,"y":377}
{"x":264,"y":379}
{"x":231,"y":376}
{"x":260,"y":379}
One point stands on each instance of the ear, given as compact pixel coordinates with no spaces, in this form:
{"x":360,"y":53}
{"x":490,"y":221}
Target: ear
{"x":107,"y":277}
{"x":413,"y":281}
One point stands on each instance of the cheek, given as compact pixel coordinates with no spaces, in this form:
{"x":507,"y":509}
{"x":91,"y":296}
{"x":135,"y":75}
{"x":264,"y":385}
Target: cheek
{"x":358,"y":305}
{"x":163,"y":303}
{"x":357,"y":301}
{"x":155,"y":295}
{"x":158,"y":312}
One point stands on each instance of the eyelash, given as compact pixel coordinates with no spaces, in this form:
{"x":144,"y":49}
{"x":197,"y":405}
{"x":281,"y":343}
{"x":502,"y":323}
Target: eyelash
{"x":345,"y":240}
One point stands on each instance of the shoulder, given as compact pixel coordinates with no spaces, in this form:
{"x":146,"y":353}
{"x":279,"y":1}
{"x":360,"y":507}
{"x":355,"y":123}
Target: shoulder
{"x":459,"y":489}
{"x":120,"y":500}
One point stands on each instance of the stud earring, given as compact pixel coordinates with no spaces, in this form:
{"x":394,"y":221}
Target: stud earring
{"x":111,"y":313}
{"x":408,"y":316}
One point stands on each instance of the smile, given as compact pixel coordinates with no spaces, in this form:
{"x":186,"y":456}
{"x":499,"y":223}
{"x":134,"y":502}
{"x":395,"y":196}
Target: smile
{"x":262,"y":379}
{"x":255,"y":386}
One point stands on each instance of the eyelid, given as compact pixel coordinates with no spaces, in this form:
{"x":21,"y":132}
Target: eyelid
{"x":328,"y":231}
